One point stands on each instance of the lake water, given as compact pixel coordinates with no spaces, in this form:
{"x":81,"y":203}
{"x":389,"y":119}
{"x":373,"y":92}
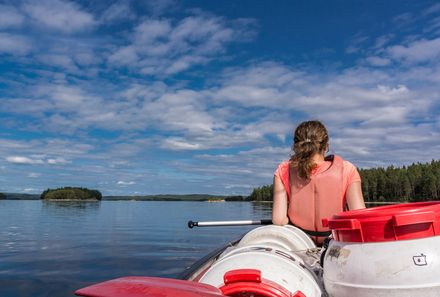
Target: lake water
{"x":53,"y":248}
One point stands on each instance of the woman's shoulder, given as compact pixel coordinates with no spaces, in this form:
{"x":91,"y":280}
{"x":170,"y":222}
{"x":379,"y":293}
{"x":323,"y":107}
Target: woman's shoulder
{"x":350,"y":172}
{"x":282,"y":168}
{"x":348,"y":164}
{"x":345,"y":163}
{"x":283,"y":165}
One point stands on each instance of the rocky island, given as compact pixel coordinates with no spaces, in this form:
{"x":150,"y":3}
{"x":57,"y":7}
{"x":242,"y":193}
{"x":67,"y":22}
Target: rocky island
{"x":71,"y":194}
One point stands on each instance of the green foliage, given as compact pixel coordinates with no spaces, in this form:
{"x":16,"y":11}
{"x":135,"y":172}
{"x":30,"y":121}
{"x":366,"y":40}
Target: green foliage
{"x":263,"y":193}
{"x":2,"y":196}
{"x":70,"y":193}
{"x":417,"y":182}
{"x":235,"y":198}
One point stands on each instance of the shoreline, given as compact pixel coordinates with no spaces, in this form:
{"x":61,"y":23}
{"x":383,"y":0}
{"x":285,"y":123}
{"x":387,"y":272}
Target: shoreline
{"x":69,"y":200}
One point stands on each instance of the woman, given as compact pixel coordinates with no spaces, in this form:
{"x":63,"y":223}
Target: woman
{"x":311,"y":187}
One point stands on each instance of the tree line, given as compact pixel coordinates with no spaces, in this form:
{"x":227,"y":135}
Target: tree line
{"x":71,"y":193}
{"x":416,"y":182}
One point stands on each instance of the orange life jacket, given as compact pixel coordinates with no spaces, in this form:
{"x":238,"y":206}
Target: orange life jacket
{"x":320,"y":197}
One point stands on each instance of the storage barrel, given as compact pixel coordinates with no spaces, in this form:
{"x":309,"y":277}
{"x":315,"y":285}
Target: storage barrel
{"x":262,"y":272}
{"x":385,"y":251}
{"x":286,"y":237}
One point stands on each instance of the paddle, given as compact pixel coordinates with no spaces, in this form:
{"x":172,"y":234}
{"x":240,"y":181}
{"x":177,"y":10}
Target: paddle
{"x":192,"y":224}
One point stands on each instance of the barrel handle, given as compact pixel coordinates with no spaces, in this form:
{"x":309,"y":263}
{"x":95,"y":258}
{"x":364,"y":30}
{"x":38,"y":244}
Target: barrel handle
{"x":413,"y":218}
{"x":344,"y":224}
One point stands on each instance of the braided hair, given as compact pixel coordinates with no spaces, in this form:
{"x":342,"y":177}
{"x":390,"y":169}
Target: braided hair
{"x":310,"y":137}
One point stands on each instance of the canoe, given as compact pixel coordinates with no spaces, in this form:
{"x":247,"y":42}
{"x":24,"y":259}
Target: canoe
{"x":381,"y":251}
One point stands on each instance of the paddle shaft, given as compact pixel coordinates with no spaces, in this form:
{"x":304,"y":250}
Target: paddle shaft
{"x":192,"y":224}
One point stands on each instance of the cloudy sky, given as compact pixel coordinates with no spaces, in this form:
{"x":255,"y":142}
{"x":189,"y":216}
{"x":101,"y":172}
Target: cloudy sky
{"x":147,"y":97}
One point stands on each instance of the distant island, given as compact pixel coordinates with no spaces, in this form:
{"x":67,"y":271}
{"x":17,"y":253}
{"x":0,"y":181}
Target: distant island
{"x":2,"y":196}
{"x":71,"y":193}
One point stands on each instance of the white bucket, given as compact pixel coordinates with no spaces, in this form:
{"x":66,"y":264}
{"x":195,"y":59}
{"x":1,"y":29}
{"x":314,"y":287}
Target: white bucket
{"x":281,"y":267}
{"x":404,"y":268}
{"x":286,"y":237}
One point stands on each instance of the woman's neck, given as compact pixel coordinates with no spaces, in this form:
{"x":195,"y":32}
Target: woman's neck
{"x":318,"y":158}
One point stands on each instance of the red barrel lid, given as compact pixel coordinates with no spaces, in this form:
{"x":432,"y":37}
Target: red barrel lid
{"x":387,"y":223}
{"x":248,"y":282}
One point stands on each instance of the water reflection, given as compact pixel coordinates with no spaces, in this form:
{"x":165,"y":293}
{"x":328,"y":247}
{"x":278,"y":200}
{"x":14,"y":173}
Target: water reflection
{"x":73,"y":207}
{"x":263,"y":207}
{"x":51,"y":248}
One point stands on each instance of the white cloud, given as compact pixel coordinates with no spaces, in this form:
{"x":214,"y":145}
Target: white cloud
{"x":36,"y":160}
{"x":14,"y":44}
{"x":150,"y":31}
{"x":183,"y":110}
{"x":40,"y":151}
{"x":217,"y":117}
{"x":34,"y":175}
{"x":10,"y":17}
{"x":59,"y":15}
{"x":352,"y":96}
{"x":158,"y":7}
{"x":23,"y":160}
{"x":403,"y":19}
{"x":58,"y":161}
{"x":183,"y":64}
{"x":356,"y":44}
{"x":77,"y":55}
{"x":383,"y":40}
{"x":180,"y":144}
{"x":58,"y":60}
{"x":125,"y":183}
{"x":435,"y":8}
{"x":434,"y":25}
{"x":30,"y":190}
{"x":162,"y":46}
{"x":378,"y":61}
{"x":118,"y":11}
{"x":418,"y":51}
{"x":124,"y":56}
{"x":376,"y":115}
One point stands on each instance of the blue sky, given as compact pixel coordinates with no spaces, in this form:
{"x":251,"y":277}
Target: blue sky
{"x":147,"y":97}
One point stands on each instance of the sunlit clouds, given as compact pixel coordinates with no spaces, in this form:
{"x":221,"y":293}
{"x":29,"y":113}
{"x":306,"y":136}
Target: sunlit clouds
{"x":163,"y":97}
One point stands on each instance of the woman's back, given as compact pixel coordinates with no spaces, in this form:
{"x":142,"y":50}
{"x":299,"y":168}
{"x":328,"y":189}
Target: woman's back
{"x":310,"y":187}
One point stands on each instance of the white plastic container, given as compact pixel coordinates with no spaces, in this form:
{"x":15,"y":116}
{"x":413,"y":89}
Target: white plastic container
{"x":279,"y":269}
{"x":409,"y":268}
{"x":287,"y":238}
{"x":385,"y":252}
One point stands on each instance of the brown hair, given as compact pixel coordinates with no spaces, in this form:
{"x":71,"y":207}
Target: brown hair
{"x":310,"y":137}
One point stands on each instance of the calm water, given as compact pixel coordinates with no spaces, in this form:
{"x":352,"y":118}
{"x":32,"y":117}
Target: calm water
{"x":54,"y":248}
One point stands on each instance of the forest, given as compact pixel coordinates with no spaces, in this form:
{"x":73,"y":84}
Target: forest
{"x":71,"y":193}
{"x":416,"y":182}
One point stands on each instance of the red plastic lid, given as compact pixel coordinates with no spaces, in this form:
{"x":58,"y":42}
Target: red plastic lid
{"x":248,"y":282}
{"x":387,"y":223}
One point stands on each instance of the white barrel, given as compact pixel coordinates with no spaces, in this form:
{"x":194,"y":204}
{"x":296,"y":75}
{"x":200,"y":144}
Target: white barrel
{"x":286,"y":237}
{"x":281,"y":267}
{"x":403,"y":268}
